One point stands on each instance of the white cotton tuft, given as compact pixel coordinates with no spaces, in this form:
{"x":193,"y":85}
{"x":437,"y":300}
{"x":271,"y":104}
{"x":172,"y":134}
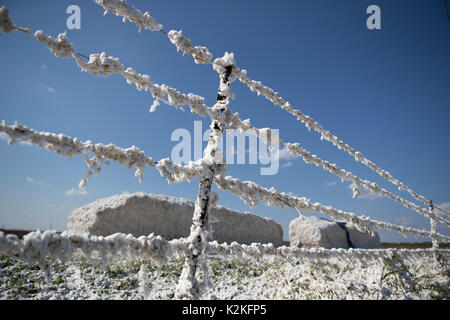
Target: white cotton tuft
{"x":82,"y":183}
{"x":122,"y":8}
{"x":6,"y":24}
{"x":225,"y":61}
{"x":356,"y":192}
{"x":200,"y":54}
{"x":143,"y":282}
{"x":60,"y":46}
{"x":213,"y":198}
{"x":154,"y":106}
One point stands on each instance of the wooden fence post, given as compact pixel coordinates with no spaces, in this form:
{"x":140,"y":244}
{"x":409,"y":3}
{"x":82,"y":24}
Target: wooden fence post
{"x":435,"y":243}
{"x":188,"y":286}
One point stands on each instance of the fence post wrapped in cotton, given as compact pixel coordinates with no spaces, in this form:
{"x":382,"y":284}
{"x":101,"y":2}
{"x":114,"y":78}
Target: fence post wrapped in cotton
{"x":37,"y":246}
{"x":435,"y":243}
{"x":188,"y":286}
{"x":220,"y":65}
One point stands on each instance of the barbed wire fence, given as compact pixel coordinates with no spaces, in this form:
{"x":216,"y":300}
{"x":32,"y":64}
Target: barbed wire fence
{"x":209,"y":169}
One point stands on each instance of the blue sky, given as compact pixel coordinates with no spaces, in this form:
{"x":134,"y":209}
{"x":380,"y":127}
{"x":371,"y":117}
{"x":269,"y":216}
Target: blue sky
{"x":384,"y":92}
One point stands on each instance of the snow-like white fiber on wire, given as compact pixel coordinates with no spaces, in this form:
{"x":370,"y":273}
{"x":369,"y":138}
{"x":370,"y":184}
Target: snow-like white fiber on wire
{"x":144,"y":213}
{"x":250,"y":192}
{"x":122,"y":8}
{"x":177,"y":173}
{"x":342,"y":174}
{"x":253,"y":193}
{"x":258,"y":250}
{"x":101,"y":64}
{"x":296,"y":150}
{"x":68,"y":146}
{"x":6,"y":24}
{"x":200,"y":54}
{"x":37,"y":246}
{"x":270,"y":94}
{"x":441,"y":210}
{"x":60,"y":46}
{"x":61,"y":246}
{"x":104,"y":66}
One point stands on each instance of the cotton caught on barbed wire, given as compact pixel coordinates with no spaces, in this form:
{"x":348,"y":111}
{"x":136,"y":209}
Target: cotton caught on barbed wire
{"x":203,"y":55}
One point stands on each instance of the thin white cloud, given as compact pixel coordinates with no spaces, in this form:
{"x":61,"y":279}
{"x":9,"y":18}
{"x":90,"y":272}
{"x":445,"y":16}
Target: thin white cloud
{"x":44,"y":66}
{"x":4,"y":136}
{"x":73,"y":191}
{"x":55,"y":206}
{"x":364,"y":193}
{"x":445,"y":206}
{"x":42,"y":183}
{"x":25,"y":143}
{"x":51,"y":90}
{"x":288,"y":164}
{"x":330,"y":184}
{"x":283,"y":154}
{"x":405,"y":221}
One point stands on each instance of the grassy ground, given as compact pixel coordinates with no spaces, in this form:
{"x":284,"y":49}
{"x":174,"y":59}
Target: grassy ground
{"x":400,"y":277}
{"x":408,"y":276}
{"x":413,"y":245}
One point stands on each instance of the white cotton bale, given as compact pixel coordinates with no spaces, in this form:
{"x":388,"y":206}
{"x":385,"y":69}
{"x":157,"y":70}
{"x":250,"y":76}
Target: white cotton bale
{"x":143,"y":213}
{"x":313,"y":232}
{"x":363,"y":240}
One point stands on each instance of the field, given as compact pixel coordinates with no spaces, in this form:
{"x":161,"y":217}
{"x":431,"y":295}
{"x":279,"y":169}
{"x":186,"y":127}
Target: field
{"x":400,"y":276}
{"x":398,"y":271}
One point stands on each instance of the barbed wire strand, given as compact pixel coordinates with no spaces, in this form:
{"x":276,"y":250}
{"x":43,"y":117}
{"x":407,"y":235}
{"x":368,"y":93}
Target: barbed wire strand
{"x":308,"y":121}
